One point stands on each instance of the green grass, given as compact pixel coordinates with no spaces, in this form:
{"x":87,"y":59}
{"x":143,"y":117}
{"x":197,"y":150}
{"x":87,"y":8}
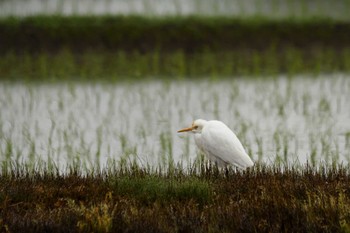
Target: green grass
{"x":98,"y":66}
{"x":270,"y":199}
{"x":162,"y":189}
{"x":297,"y":119}
{"x":119,"y":47}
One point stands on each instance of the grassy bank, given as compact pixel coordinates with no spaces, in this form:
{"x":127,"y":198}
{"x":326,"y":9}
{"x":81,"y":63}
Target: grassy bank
{"x":135,"y":199}
{"x":190,"y":34}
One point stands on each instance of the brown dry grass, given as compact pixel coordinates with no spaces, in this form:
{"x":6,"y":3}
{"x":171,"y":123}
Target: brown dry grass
{"x":260,"y":200}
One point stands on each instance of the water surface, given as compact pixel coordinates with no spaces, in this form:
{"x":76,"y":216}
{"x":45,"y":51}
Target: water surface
{"x":278,"y":120}
{"x":237,"y":8}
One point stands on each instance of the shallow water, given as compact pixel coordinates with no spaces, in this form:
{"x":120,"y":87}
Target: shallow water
{"x":277,"y":120}
{"x":240,"y":8}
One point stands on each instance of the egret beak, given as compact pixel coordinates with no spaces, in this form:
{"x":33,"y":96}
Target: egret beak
{"x":185,"y":130}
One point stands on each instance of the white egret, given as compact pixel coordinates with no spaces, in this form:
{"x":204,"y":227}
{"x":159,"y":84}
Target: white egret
{"x":219,"y":143}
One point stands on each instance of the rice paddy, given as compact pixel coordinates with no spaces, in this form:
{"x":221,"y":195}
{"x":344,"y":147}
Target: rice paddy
{"x":92,"y":94}
{"x":234,"y":8}
{"x":289,"y":121}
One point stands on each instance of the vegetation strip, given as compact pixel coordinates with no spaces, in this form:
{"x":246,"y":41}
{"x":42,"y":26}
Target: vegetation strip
{"x":118,"y":47}
{"x":311,"y":199}
{"x":97,"y":66}
{"x":190,"y":34}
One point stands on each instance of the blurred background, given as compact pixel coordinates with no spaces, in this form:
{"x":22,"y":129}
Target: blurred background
{"x":95,"y":83}
{"x":235,"y":8}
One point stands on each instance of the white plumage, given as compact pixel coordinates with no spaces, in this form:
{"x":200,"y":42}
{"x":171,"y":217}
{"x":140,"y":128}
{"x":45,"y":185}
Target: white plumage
{"x":219,"y":143}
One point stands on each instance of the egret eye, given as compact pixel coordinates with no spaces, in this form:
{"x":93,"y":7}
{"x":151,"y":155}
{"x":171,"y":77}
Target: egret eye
{"x":195,"y":127}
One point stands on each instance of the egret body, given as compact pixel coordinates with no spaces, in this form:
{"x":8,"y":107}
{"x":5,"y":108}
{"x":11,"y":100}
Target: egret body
{"x":219,"y":143}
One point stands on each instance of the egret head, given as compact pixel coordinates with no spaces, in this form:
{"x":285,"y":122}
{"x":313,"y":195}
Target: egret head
{"x":196,"y":127}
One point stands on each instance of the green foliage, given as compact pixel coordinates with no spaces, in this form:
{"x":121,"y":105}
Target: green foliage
{"x":116,"y":47}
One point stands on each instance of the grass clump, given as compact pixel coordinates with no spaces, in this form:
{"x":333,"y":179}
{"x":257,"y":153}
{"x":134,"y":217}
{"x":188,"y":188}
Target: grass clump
{"x":152,"y":188}
{"x":264,"y":198}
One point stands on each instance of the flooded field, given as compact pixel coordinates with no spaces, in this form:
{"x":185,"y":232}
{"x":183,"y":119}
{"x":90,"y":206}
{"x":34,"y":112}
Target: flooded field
{"x":291,"y":121}
{"x":237,"y":8}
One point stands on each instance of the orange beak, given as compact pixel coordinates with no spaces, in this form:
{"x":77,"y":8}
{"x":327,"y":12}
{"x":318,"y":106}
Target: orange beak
{"x":185,"y":130}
